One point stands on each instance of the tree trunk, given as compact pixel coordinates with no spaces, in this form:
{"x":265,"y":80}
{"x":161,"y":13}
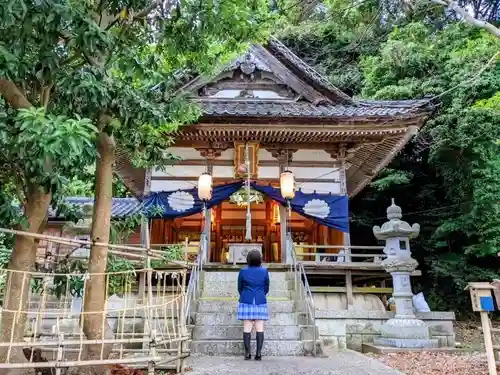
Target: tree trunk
{"x":95,"y":325}
{"x":18,"y":283}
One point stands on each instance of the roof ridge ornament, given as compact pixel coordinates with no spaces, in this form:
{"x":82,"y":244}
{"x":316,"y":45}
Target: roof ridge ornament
{"x":247,"y":65}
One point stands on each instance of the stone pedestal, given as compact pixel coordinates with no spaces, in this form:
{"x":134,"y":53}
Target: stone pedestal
{"x":404,"y":330}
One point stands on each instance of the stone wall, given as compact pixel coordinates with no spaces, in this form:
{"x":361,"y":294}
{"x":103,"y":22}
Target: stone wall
{"x":351,"y":329}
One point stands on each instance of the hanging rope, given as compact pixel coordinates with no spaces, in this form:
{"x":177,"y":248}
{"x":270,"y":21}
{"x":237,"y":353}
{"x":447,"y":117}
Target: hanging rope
{"x":248,"y":232}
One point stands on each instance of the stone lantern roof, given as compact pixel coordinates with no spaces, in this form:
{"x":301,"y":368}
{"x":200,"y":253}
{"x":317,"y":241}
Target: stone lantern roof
{"x":395,"y":227}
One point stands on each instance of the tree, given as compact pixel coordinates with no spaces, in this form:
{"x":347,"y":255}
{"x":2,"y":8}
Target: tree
{"x":105,"y":67}
{"x":130,"y":91}
{"x":41,"y":144}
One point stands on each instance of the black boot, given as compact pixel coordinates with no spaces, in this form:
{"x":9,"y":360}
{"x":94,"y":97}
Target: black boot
{"x":260,"y":343}
{"x":246,"y":343}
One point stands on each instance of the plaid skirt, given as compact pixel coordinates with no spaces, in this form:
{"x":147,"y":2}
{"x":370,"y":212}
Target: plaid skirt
{"x":252,"y":312}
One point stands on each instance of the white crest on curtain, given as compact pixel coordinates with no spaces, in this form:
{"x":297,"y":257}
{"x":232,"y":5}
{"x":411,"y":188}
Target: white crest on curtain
{"x":317,"y":208}
{"x":181,"y":201}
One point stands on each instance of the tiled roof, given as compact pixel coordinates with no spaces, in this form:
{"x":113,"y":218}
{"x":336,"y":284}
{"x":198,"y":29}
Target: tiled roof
{"x":305,"y":109}
{"x":121,"y":207}
{"x":292,"y":61}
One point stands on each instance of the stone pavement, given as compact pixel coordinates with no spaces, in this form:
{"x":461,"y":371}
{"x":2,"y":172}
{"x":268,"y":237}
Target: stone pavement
{"x":338,"y":363}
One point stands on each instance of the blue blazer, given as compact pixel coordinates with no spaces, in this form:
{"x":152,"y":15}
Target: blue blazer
{"x":253,"y":285}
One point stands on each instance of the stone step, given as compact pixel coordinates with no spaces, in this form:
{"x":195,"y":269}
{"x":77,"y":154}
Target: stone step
{"x":233,"y":293}
{"x":231,"y":277}
{"x":230,"y":305}
{"x":229,"y":319}
{"x":274,"y":332}
{"x":235,"y":347}
{"x":218,"y":286}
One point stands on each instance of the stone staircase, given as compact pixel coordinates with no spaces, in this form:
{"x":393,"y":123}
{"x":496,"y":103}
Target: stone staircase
{"x":217,"y":331}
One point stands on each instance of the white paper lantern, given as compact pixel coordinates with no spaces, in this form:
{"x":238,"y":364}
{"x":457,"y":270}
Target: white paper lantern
{"x":287,"y":185}
{"x":205,"y":187}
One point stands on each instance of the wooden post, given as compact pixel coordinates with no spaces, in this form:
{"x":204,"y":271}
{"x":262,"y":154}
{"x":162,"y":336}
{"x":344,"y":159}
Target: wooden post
{"x":60,"y":350}
{"x":283,"y":224}
{"x":208,"y":234}
{"x":488,"y":343}
{"x":218,"y":234}
{"x":349,"y":290}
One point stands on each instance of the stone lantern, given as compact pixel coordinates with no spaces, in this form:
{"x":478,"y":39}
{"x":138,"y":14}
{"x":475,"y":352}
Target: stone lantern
{"x":404,"y":330}
{"x":81,"y":230}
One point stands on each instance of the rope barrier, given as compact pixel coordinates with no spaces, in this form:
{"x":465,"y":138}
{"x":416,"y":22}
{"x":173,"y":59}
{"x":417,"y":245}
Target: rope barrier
{"x":55,"y":321}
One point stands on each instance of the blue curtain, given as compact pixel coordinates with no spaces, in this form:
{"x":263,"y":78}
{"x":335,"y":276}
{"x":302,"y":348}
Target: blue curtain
{"x":327,"y":209}
{"x":181,"y":203}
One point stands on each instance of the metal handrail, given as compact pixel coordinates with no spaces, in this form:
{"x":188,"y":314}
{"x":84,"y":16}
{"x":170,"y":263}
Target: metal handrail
{"x":308,"y":298}
{"x":305,"y":292}
{"x":193,"y":288}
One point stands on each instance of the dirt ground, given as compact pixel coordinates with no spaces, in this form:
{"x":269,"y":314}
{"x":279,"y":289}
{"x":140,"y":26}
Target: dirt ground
{"x":471,"y":361}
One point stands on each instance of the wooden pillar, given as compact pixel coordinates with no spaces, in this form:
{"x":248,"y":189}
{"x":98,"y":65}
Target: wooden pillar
{"x":343,"y":191}
{"x":283,"y":225}
{"x":218,"y":234}
{"x":347,"y":239}
{"x":268,"y":251}
{"x":284,"y":156}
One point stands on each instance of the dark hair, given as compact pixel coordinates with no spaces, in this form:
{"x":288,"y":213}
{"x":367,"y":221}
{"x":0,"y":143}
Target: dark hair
{"x":254,"y":258}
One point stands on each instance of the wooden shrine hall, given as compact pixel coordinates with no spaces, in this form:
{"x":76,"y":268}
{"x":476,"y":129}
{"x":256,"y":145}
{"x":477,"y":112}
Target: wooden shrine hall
{"x":281,"y":113}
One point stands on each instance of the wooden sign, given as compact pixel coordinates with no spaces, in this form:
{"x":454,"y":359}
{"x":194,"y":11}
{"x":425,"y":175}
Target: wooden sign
{"x":239,"y":159}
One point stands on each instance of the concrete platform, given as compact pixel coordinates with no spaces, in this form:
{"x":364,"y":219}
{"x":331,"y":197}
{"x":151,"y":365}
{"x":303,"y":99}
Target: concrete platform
{"x":338,"y":363}
{"x":378,"y":349}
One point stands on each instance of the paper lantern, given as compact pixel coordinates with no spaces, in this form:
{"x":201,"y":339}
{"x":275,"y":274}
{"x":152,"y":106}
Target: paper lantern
{"x":287,"y":185}
{"x":205,"y":187}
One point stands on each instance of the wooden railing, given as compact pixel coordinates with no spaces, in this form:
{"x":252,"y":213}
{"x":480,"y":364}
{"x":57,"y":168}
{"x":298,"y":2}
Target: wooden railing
{"x":190,"y":250}
{"x":339,"y":254}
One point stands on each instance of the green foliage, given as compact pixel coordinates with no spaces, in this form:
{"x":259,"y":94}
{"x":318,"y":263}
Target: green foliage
{"x":390,"y":177}
{"x":43,"y":148}
{"x":447,"y":180}
{"x":169,"y":253}
{"x":462,"y":160}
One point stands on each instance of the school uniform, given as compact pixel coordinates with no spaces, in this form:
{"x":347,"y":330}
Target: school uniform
{"x":253,"y":287}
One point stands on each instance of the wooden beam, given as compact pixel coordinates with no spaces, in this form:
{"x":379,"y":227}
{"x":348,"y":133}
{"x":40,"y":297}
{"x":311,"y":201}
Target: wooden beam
{"x":227,"y":180}
{"x":289,"y":78}
{"x":340,"y":289}
{"x":199,"y":143}
{"x":348,"y":125}
{"x":262,"y":163}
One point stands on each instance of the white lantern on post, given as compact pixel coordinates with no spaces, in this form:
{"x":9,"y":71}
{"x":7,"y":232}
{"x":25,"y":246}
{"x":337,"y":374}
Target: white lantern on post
{"x":205,"y":187}
{"x":204,"y":194}
{"x":287,"y":185}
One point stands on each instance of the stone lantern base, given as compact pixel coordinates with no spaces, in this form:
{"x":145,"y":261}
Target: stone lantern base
{"x":406,"y":333}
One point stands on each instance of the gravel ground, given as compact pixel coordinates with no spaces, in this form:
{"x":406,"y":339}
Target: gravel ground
{"x":338,"y":363}
{"x":473,"y":362}
{"x":426,"y":363}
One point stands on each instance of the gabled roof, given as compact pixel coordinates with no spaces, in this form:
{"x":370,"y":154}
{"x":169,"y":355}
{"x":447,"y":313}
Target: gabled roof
{"x":271,"y":96}
{"x":309,"y":74}
{"x":310,"y":94}
{"x":305,"y":109}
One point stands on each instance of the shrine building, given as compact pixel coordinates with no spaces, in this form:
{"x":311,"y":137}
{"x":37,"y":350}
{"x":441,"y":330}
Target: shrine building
{"x":271,"y":112}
